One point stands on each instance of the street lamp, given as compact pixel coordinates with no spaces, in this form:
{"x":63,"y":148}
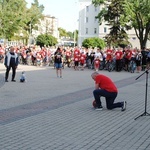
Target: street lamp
{"x":21,"y":37}
{"x":30,"y":32}
{"x":75,"y":33}
{"x":31,"y":25}
{"x":74,"y":38}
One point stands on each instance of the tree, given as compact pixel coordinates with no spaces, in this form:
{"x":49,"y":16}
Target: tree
{"x":93,"y":42}
{"x":112,"y":14}
{"x":135,"y":14}
{"x":139,"y":17}
{"x":16,"y":18}
{"x":11,"y":17}
{"x":46,"y":40}
{"x":70,"y":35}
{"x":62,"y":32}
{"x":33,"y":14}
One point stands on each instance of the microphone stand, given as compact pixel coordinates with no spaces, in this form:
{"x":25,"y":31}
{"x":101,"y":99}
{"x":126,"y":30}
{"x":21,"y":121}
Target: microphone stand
{"x":145,"y":111}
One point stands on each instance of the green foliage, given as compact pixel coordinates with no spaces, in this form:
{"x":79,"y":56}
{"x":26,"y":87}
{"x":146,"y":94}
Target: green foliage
{"x":123,"y":15}
{"x":15,"y":17}
{"x":45,"y":39}
{"x":70,"y":34}
{"x":87,"y":43}
{"x":93,"y":42}
{"x":11,"y":17}
{"x":139,"y":16}
{"x":33,"y":14}
{"x":98,"y":2}
{"x":62,"y":32}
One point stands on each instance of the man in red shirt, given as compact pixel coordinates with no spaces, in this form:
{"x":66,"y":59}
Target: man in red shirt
{"x":105,"y":87}
{"x":128,"y":55}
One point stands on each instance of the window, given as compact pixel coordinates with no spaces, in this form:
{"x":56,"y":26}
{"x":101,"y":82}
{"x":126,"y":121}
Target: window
{"x":87,"y":19}
{"x":95,"y":30}
{"x":87,"y":8}
{"x":95,"y":20}
{"x":95,"y":9}
{"x":105,"y":30}
{"x":86,"y":31}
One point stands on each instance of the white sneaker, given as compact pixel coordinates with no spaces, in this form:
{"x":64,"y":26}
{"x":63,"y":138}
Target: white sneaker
{"x":124,"y":106}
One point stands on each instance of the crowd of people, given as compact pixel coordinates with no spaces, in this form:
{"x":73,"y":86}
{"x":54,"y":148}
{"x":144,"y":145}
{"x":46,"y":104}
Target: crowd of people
{"x":116,"y":59}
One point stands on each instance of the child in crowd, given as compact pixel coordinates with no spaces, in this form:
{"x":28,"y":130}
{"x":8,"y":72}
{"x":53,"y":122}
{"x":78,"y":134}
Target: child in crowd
{"x":97,"y":63}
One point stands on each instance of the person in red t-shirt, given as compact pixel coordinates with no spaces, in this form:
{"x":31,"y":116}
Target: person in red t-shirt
{"x":105,"y":87}
{"x":127,"y":56}
{"x":118,"y":56}
{"x":82,"y":60}
{"x":76,"y":58}
{"x":109,"y":54}
{"x":68,"y":57}
{"x":2,"y":53}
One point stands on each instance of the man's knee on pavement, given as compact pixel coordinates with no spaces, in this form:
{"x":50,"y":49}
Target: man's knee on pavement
{"x":110,"y":107}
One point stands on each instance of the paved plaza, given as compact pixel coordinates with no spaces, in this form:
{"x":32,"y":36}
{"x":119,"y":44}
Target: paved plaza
{"x":50,"y":113}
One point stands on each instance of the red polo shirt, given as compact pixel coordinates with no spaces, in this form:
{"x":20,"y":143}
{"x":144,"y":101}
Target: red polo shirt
{"x":105,"y":83}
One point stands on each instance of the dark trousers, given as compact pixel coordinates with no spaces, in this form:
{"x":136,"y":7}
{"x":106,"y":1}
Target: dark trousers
{"x":13,"y":72}
{"x":118,"y":65}
{"x":109,"y":96}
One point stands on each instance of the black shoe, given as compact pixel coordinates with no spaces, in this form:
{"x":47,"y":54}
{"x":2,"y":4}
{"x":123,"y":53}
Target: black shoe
{"x":6,"y":80}
{"x":99,"y":108}
{"x":124,"y":105}
{"x":13,"y":80}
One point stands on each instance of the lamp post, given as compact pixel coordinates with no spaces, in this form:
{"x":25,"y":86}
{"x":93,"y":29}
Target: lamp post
{"x":75,"y":34}
{"x":30,"y":32}
{"x":74,"y":38}
{"x":21,"y":37}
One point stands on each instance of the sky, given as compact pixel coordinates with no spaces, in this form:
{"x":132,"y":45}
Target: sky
{"x":66,"y":11}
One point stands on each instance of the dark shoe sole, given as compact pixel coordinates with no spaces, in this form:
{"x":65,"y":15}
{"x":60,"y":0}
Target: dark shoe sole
{"x":13,"y":80}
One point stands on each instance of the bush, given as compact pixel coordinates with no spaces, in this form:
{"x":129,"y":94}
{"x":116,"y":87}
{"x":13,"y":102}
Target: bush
{"x":45,"y":39}
{"x":94,"y":42}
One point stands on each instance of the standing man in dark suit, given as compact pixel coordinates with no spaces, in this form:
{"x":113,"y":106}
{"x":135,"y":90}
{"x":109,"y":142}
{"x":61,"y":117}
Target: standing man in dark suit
{"x":11,"y":61}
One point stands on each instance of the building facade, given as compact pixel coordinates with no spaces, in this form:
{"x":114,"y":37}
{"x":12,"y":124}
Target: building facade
{"x":89,"y":25}
{"x":47,"y":25}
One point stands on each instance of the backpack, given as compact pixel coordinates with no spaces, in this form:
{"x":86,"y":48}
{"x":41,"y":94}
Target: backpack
{"x":139,"y":57}
{"x":148,"y":55}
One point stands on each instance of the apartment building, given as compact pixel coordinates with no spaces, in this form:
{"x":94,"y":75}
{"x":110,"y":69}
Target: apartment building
{"x":47,"y":25}
{"x":89,"y":26}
